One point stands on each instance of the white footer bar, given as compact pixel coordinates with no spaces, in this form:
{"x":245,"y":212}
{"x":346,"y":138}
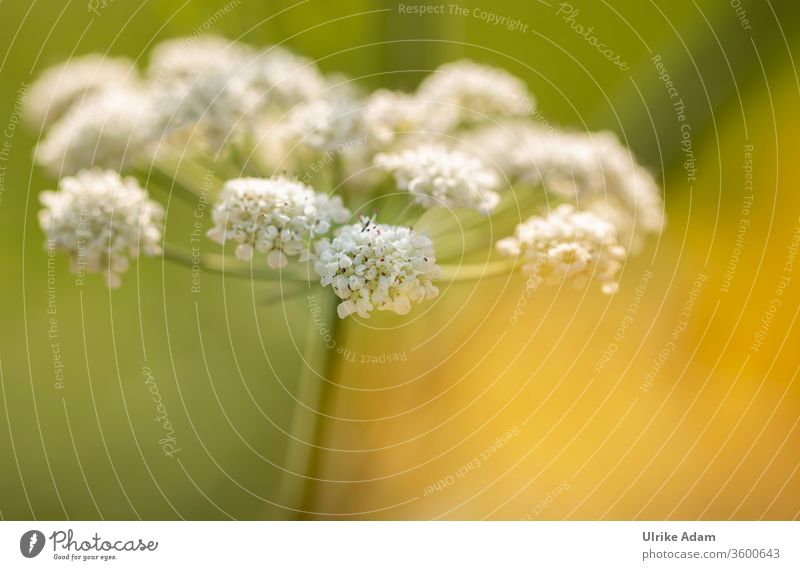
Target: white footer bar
{"x":406,"y":545}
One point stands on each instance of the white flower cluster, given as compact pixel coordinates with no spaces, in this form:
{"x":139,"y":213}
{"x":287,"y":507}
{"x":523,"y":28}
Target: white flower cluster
{"x":319,"y":124}
{"x":276,"y":217}
{"x":567,"y":246}
{"x":208,"y":109}
{"x":390,"y":115}
{"x":191,"y":57}
{"x":61,"y":86}
{"x":101,"y":220}
{"x":442,"y":177}
{"x":197,"y":88}
{"x":477,"y":91}
{"x":210,"y":91}
{"x":586,"y":167}
{"x":592,"y":170}
{"x":220,"y":89}
{"x":449,"y":144}
{"x":633,"y":188}
{"x":375,"y":266}
{"x":104,"y":130}
{"x":284,"y":79}
{"x":459,"y":93}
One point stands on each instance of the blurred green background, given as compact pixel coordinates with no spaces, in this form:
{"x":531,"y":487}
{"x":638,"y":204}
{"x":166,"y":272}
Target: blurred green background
{"x":226,"y":364}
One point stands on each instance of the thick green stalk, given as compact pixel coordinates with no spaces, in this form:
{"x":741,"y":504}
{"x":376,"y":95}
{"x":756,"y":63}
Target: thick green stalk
{"x":313,"y":400}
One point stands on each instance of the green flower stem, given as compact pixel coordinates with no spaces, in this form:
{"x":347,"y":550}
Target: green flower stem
{"x":218,"y":263}
{"x":409,"y":214}
{"x":504,"y":219}
{"x":244,"y":154}
{"x":313,"y":395}
{"x":301,"y":463}
{"x":167,"y":186}
{"x":184,"y":171}
{"x":337,"y":172}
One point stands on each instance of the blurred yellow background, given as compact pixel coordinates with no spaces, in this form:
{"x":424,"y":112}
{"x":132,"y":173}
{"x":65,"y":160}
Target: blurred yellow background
{"x":677,"y":398}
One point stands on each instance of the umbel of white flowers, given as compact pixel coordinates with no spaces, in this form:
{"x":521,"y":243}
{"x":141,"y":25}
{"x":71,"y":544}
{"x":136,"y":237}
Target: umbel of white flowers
{"x":375,"y":266}
{"x":101,"y":220}
{"x":437,"y":176}
{"x":465,"y":141}
{"x":567,"y":246}
{"x":279,"y":218}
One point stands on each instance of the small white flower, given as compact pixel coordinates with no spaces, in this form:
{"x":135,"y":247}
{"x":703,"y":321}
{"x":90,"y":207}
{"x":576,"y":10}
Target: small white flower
{"x":101,"y":220}
{"x":106,"y":129}
{"x":569,"y":246}
{"x":477,"y":91}
{"x":438,"y":176}
{"x":61,"y":86}
{"x":375,"y":266}
{"x":276,"y":217}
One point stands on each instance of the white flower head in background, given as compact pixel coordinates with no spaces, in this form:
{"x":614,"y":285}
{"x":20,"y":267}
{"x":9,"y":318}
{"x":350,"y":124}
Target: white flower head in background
{"x":190,"y":57}
{"x":632,"y":185}
{"x":561,"y":161}
{"x":101,"y":220}
{"x":199,"y":86}
{"x":282,"y":79}
{"x":592,"y":170}
{"x":380,"y":267}
{"x":320,"y":124}
{"x":442,"y":177}
{"x":498,"y":142}
{"x":477,"y":91}
{"x":106,"y":130}
{"x":277,"y":217}
{"x":567,"y":246}
{"x":212,"y":109}
{"x":389,"y":115}
{"x":61,"y":86}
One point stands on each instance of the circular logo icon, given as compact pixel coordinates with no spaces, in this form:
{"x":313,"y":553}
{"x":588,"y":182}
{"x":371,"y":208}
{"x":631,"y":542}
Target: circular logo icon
{"x":31,"y":543}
